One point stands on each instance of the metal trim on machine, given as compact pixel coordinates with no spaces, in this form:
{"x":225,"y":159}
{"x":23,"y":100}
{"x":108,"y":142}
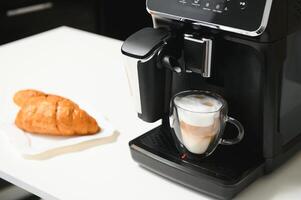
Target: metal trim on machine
{"x":206,"y":68}
{"x":259,"y":31}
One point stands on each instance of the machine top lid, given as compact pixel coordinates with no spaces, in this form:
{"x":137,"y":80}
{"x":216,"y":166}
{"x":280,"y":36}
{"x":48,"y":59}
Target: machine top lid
{"x":246,"y":17}
{"x":143,"y":43}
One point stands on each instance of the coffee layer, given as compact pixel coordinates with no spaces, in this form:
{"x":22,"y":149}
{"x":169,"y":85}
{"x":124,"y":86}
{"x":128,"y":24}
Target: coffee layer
{"x":197,"y":139}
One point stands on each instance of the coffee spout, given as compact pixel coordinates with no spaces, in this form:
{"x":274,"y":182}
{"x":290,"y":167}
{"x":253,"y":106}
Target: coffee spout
{"x":198,"y":55}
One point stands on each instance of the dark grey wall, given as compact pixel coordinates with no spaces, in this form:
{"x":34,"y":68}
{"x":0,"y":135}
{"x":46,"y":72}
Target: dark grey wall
{"x":120,"y":19}
{"x":116,"y":19}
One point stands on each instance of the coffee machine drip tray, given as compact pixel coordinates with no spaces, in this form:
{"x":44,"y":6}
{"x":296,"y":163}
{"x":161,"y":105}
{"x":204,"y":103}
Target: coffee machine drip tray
{"x":221,"y":175}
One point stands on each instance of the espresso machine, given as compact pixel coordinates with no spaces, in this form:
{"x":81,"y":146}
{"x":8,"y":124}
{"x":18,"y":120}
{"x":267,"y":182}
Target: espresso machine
{"x":248,"y":52}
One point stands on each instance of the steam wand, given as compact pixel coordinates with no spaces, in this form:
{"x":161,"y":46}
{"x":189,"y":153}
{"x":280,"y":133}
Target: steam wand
{"x":171,"y":63}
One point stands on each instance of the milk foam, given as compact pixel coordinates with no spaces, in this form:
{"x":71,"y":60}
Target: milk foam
{"x":198,"y":110}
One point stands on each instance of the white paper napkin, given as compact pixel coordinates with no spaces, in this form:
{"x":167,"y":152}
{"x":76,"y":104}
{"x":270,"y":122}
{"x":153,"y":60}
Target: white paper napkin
{"x":31,"y":144}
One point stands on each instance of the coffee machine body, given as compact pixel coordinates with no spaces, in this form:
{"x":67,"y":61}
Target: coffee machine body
{"x":246,"y":51}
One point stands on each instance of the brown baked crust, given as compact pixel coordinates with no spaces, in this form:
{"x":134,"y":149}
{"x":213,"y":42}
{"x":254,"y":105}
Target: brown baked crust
{"x":52,"y":115}
{"x":23,"y":96}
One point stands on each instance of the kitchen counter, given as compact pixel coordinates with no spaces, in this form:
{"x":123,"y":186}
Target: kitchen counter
{"x":88,"y":69}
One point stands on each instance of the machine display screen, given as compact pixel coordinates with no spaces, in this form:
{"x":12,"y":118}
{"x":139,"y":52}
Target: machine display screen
{"x":247,"y":15}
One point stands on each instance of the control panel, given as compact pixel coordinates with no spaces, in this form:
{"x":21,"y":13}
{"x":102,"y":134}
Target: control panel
{"x":241,"y":16}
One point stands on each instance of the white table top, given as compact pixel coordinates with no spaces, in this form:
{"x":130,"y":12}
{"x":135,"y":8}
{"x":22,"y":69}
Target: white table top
{"x":88,"y":69}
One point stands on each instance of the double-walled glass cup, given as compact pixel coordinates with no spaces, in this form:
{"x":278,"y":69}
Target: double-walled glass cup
{"x":198,"y":120}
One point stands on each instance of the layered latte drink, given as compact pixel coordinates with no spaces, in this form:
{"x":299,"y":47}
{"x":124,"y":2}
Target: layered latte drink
{"x":199,"y":121}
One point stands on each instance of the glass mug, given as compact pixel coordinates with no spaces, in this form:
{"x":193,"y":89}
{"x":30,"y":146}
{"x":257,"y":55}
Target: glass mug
{"x":198,"y":120}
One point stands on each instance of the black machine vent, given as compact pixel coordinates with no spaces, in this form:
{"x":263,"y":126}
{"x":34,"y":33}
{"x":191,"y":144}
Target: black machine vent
{"x":294,"y":15}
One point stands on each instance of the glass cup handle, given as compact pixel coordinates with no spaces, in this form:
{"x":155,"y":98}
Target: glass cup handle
{"x":241,"y":132}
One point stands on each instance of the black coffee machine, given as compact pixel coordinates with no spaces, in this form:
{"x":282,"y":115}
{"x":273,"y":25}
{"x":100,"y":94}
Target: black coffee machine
{"x":246,"y":51}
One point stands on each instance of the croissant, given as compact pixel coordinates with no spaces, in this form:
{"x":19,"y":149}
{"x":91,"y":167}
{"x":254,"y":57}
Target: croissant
{"x":48,"y":114}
